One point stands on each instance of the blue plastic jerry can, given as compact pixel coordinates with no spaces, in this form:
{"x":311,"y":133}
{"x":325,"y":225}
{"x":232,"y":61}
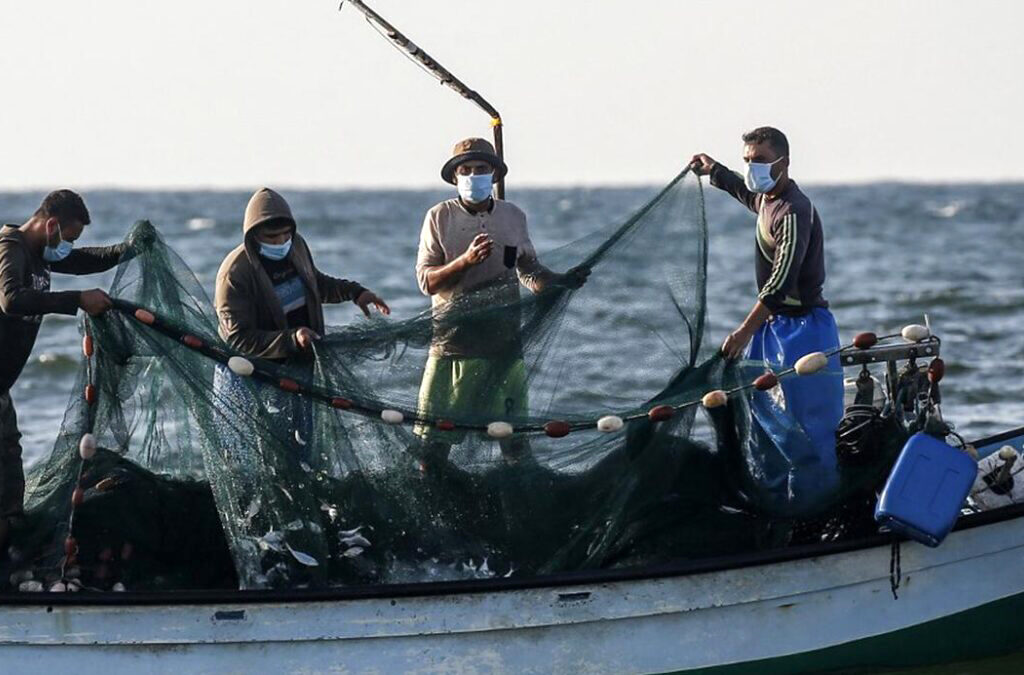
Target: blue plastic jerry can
{"x":926,"y":489}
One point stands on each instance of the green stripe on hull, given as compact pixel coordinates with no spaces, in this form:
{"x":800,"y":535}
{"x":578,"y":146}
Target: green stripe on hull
{"x":989,"y":630}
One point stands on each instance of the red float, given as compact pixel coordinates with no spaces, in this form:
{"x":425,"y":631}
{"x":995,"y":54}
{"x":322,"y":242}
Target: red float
{"x":865,"y":340}
{"x":936,"y":370}
{"x":341,"y":403}
{"x":145,"y":317}
{"x":77,"y":497}
{"x":766,"y":381}
{"x":445,"y":425}
{"x":557,"y":428}
{"x":288,"y":385}
{"x":87,"y":346}
{"x":192,"y":341}
{"x":660,"y":413}
{"x":70,"y":546}
{"x":90,"y":393}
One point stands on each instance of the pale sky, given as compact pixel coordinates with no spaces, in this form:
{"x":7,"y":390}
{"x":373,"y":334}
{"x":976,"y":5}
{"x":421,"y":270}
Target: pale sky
{"x":233,"y":93}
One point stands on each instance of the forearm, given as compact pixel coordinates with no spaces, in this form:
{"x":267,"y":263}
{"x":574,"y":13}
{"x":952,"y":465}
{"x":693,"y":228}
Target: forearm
{"x":442,"y":277}
{"x":724,"y":179}
{"x":334,"y":290}
{"x":90,"y":260}
{"x":756,"y":318}
{"x":29,"y":302}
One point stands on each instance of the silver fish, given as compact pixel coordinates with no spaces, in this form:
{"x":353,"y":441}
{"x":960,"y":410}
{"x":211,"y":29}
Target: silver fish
{"x":353,"y":552}
{"x":304,"y":558}
{"x":355,"y":540}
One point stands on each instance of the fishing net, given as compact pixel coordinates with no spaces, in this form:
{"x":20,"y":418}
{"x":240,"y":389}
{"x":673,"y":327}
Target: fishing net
{"x":339,"y":468}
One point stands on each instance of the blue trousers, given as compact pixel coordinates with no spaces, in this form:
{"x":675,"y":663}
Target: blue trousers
{"x":793,"y":433}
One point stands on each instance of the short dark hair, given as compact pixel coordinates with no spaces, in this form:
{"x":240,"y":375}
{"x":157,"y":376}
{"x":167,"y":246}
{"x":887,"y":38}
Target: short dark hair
{"x":775,"y":138}
{"x":64,"y":205}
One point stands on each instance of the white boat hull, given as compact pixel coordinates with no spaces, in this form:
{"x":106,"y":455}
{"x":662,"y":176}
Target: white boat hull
{"x":674,"y":623}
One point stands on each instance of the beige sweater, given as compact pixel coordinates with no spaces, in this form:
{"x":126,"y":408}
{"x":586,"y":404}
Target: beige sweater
{"x":448,"y":229}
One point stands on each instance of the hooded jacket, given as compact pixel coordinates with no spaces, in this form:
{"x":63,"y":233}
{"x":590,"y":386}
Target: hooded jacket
{"x":249,"y":313}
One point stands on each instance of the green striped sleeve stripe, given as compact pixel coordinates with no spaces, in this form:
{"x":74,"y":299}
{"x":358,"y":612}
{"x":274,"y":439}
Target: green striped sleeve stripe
{"x":784,"y":255}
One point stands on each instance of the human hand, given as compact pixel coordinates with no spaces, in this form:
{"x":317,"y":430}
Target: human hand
{"x":575,"y":278}
{"x":304,"y":337}
{"x":737,"y":341}
{"x":701,"y":164}
{"x":479,"y":249}
{"x":367,"y":298}
{"x":94,"y":302}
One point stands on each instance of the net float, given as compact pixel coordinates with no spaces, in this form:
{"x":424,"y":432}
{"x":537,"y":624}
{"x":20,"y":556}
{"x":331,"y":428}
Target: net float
{"x":118,"y":588}
{"x":145,"y":317}
{"x":30,"y":586}
{"x":392,"y":416}
{"x":445,"y":425}
{"x":915,"y":332}
{"x":660,"y":413}
{"x":556,"y":428}
{"x":809,"y":364}
{"x":77,"y":497}
{"x":865,"y":340}
{"x":74,"y":586}
{"x":289,"y":385}
{"x":936,"y":370}
{"x":87,"y":345}
{"x":191,"y":341}
{"x":58,"y":587}
{"x":609,"y":423}
{"x":1006,"y":453}
{"x":241,"y":366}
{"x":766,"y":381}
{"x":90,"y":393}
{"x":70,"y":546}
{"x":714,"y":399}
{"x":341,"y":403}
{"x":499,"y":430}
{"x":87,"y":446}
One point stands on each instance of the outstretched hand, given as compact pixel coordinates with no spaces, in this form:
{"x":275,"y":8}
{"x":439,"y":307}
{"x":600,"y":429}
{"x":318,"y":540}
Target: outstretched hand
{"x":304,"y":337}
{"x":367,"y":298}
{"x":702,"y":164}
{"x":94,"y":302}
{"x":574,"y":278}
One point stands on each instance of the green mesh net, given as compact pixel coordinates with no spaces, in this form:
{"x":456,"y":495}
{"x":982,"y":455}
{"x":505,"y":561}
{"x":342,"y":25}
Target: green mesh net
{"x":324,"y":471}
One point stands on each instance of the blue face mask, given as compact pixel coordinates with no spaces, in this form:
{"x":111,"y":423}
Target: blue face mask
{"x":758,"y":176}
{"x":475,"y":188}
{"x":60,"y":251}
{"x":275,"y":251}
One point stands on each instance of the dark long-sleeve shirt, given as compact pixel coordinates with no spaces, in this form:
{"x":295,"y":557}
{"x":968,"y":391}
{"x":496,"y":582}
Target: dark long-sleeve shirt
{"x":790,"y":254}
{"x":25,"y":294}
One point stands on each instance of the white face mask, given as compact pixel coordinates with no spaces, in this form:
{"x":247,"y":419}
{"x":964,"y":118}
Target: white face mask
{"x":758,"y":176}
{"x":475,"y":188}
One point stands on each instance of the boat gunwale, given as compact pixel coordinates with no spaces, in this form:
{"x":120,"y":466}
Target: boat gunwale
{"x":497,"y":585}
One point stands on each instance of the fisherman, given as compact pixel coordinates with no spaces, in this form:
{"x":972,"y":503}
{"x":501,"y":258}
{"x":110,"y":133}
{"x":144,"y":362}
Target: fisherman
{"x":790,"y":317}
{"x":474,"y":252}
{"x":28,"y":254}
{"x":269,"y":295}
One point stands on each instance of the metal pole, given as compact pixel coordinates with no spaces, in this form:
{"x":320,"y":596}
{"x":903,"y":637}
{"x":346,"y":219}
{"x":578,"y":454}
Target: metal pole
{"x":442,"y":74}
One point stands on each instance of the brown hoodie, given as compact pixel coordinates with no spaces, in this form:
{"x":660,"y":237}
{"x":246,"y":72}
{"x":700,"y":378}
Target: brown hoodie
{"x":251,"y":317}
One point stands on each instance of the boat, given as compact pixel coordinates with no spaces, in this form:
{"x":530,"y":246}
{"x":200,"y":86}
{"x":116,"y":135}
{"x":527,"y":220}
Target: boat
{"x":794,"y":610}
{"x":870,"y":602}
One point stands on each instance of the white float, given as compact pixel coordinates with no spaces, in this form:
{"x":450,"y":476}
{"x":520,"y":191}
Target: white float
{"x":87,"y":446}
{"x":241,"y":366}
{"x":609,"y":423}
{"x":392,"y":416}
{"x":811,"y":363}
{"x":499,"y":430}
{"x":915,"y":332}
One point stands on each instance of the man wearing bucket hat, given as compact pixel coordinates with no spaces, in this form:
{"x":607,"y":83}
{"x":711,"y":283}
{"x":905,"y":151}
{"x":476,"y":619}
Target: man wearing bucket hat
{"x":474,"y":253}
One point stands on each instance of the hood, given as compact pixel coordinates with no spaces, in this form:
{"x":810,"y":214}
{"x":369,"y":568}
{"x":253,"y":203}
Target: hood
{"x":263,"y":206}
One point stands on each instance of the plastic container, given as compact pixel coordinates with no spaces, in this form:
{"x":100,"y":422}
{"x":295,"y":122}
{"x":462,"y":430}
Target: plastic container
{"x":926,"y":489}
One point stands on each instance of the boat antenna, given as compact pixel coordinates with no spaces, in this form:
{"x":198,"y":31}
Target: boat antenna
{"x":442,"y":74}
